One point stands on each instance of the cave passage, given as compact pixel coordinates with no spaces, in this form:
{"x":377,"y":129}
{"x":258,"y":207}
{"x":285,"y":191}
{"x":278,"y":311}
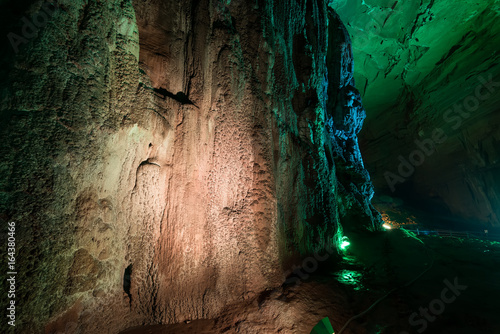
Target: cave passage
{"x":430,"y":86}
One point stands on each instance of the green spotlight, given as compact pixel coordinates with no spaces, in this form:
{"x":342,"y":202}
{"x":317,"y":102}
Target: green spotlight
{"x":345,"y":243}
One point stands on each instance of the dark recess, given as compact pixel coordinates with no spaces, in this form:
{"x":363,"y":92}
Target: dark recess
{"x":127,"y":282}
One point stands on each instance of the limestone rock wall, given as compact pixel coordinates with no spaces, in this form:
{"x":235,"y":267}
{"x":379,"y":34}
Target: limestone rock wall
{"x":165,"y":159}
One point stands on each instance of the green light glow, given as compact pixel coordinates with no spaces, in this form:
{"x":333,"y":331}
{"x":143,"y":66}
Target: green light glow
{"x":349,"y":277}
{"x":344,"y":243}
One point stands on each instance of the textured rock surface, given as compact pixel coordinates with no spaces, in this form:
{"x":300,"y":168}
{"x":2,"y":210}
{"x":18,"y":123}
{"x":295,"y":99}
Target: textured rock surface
{"x":166,"y":159}
{"x":418,"y":64}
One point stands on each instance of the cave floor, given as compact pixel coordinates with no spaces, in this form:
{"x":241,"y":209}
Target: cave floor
{"x":456,"y":279}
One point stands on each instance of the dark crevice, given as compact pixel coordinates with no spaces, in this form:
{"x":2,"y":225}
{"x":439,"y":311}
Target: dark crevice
{"x":148,"y":162}
{"x":127,"y":282}
{"x":390,"y":14}
{"x":455,"y":48}
{"x":180,"y":97}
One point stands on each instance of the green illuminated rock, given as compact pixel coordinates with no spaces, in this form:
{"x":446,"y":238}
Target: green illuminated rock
{"x":418,"y":67}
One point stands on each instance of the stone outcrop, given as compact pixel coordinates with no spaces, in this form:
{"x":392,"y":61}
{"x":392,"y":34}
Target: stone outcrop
{"x":165,"y":159}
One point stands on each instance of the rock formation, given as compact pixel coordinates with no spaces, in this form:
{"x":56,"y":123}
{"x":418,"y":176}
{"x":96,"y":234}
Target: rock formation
{"x":165,"y":159}
{"x":419,"y":65}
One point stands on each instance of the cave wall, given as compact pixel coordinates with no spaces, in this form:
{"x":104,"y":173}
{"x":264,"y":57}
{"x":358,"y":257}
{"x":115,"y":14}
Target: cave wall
{"x":429,"y":70}
{"x":163,"y":159}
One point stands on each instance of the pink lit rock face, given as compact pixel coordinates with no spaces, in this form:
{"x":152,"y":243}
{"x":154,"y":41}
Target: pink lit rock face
{"x":177,"y":158}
